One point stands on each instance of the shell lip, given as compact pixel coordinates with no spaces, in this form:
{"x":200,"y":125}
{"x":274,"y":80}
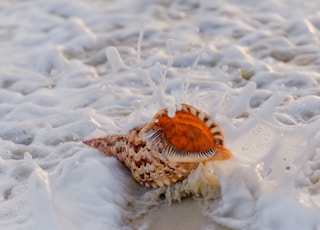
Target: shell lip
{"x":177,"y":155}
{"x":174,"y":154}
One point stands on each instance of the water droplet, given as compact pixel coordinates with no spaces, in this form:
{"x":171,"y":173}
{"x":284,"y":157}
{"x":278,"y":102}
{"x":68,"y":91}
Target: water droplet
{"x":224,"y":67}
{"x":229,"y":84}
{"x":54,"y":72}
{"x":262,"y":170}
{"x":114,"y":59}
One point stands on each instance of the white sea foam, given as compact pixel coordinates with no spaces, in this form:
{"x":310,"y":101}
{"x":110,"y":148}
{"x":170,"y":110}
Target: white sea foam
{"x":78,"y":69}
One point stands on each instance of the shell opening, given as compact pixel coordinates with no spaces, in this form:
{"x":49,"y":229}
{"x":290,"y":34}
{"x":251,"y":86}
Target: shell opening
{"x":175,"y":154}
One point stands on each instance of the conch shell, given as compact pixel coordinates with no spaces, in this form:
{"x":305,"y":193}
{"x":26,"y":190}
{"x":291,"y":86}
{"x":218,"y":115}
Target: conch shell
{"x":166,"y":149}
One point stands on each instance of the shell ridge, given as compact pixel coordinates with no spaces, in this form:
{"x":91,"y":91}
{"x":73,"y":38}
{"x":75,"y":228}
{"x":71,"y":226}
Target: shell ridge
{"x":175,"y":154}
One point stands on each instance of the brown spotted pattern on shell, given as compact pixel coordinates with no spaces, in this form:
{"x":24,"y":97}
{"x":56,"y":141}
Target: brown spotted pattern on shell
{"x":166,"y":149}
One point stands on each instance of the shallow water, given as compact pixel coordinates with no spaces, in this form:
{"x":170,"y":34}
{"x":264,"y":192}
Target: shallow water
{"x":78,"y":69}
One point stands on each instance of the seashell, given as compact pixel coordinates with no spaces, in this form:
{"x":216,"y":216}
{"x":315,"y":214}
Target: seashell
{"x":166,"y":149}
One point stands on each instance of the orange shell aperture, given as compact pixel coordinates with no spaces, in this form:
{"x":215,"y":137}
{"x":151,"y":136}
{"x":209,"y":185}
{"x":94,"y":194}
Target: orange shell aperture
{"x":186,"y":131}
